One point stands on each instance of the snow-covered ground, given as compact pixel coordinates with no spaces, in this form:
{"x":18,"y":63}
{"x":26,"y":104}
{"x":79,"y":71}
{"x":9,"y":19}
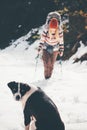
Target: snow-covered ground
{"x":67,"y":87}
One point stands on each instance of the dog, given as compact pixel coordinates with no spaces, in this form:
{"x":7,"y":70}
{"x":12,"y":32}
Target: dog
{"x":38,"y":108}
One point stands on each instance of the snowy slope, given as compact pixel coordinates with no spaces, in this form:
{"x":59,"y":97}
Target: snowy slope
{"x":67,"y":87}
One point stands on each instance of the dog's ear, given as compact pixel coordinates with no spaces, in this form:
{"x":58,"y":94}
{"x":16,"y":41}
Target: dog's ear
{"x":28,"y":87}
{"x":11,"y":84}
{"x":25,"y":86}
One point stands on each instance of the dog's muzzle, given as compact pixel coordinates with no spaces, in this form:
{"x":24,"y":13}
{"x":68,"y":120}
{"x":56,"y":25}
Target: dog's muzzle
{"x":17,"y":96}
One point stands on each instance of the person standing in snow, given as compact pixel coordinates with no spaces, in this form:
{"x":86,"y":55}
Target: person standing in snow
{"x":51,"y":42}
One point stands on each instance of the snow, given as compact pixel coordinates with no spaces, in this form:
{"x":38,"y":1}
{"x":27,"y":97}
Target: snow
{"x":67,"y":87}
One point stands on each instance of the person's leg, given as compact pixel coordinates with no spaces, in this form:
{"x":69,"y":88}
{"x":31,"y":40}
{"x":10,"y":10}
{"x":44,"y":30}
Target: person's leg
{"x":27,"y":127}
{"x":53,"y":59}
{"x":46,"y":61}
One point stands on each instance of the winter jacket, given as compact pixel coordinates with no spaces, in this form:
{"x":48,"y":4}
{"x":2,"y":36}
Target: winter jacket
{"x":57,"y":44}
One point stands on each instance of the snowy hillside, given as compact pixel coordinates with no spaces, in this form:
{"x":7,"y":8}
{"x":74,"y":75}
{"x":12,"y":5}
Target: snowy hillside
{"x":67,"y":87}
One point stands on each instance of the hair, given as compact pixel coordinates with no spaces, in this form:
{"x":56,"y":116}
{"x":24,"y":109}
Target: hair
{"x":56,"y":33}
{"x":53,"y":24}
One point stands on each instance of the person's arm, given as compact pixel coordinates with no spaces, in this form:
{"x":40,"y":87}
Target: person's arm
{"x":61,"y":43}
{"x":42,"y":39}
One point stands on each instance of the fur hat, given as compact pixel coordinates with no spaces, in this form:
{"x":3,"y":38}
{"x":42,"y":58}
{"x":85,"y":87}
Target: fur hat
{"x":53,"y":23}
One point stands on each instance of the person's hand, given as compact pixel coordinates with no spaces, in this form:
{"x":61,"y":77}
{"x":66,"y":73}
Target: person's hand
{"x":61,"y":53}
{"x":39,"y":48}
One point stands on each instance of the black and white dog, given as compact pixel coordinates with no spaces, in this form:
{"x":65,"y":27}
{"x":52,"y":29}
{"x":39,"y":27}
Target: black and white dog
{"x":38,"y":107}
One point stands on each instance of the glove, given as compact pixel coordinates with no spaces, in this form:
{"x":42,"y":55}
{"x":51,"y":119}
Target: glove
{"x":40,"y":47}
{"x":61,"y":49}
{"x":61,"y":53}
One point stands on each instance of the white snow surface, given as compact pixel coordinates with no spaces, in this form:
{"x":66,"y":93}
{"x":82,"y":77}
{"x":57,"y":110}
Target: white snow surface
{"x":67,"y":87}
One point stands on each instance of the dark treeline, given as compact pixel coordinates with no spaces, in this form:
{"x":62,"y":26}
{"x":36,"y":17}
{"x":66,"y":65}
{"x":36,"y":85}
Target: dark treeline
{"x":17,"y":17}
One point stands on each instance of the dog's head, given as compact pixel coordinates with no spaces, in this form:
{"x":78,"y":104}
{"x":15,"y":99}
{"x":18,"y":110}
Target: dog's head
{"x":18,"y":89}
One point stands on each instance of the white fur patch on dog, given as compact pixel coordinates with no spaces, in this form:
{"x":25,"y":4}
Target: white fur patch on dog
{"x":32,"y":125}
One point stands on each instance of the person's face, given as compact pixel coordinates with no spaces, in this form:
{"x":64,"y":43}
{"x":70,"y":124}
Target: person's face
{"x":52,"y":31}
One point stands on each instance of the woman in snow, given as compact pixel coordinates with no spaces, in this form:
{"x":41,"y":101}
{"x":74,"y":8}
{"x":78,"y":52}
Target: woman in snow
{"x":51,"y":42}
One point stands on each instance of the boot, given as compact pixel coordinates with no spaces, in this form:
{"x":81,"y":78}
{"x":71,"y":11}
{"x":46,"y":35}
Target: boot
{"x":47,"y":77}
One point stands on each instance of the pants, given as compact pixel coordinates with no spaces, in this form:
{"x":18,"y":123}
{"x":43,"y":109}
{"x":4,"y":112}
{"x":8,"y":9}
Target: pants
{"x":48,"y":61}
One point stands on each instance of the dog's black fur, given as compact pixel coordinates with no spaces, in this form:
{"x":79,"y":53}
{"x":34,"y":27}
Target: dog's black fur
{"x":40,"y":106}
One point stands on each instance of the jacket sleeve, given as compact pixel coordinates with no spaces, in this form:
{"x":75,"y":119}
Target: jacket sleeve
{"x":43,"y":35}
{"x":61,"y":41}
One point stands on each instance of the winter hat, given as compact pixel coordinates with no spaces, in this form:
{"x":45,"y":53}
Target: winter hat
{"x":53,"y":23}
